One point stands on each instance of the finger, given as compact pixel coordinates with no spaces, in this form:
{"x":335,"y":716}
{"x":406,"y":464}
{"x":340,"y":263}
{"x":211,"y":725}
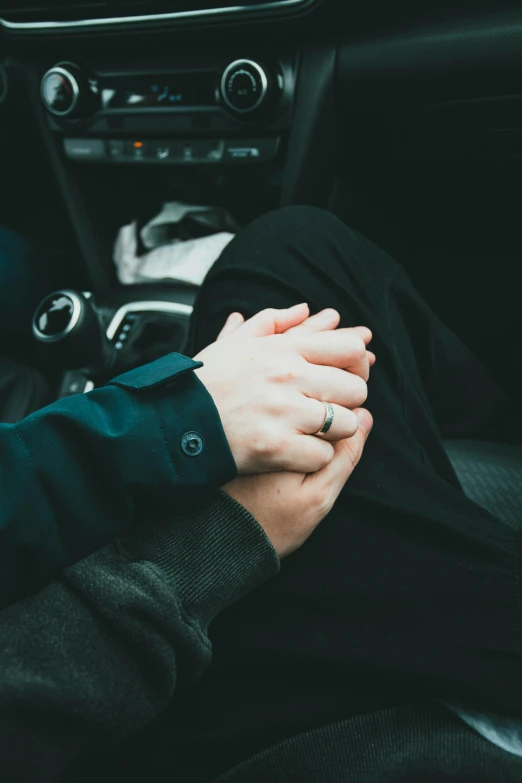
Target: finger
{"x":359,"y":363}
{"x":362,"y":367}
{"x":321,"y":322}
{"x":363,"y":332}
{"x":342,"y":349}
{"x":335,"y":386}
{"x":347,"y":454}
{"x":306,"y":454}
{"x":233,"y":322}
{"x":344,"y":423}
{"x":269,"y":322}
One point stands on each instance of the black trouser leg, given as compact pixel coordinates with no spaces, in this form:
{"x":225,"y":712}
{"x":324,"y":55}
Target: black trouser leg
{"x":407,"y":591}
{"x":305,"y":254}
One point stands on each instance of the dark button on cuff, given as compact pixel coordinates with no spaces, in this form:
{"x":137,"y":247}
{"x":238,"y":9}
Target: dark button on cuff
{"x":192,"y":444}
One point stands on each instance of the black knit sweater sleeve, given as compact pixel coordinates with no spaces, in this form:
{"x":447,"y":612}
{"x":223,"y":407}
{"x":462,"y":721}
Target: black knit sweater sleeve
{"x":100,"y":652}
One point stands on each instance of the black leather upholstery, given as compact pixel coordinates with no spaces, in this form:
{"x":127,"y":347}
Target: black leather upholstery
{"x":491,"y":476}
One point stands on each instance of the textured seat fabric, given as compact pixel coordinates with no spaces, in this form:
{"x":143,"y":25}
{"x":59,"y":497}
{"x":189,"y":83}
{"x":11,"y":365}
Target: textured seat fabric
{"x":406,"y":744}
{"x":491,"y":476}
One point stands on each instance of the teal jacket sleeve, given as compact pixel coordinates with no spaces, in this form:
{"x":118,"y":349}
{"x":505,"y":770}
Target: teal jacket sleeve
{"x":73,"y":474}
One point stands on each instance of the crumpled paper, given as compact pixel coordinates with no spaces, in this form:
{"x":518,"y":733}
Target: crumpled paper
{"x":168,"y":259}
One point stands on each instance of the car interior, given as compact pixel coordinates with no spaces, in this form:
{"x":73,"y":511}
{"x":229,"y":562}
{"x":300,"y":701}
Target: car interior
{"x":404,"y":119}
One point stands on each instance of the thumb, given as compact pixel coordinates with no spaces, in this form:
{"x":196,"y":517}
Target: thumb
{"x":365,"y":420}
{"x":348,"y":452}
{"x":271,"y":321}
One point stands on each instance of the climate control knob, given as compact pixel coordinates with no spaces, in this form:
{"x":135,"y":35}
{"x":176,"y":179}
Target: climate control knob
{"x":66,"y":92}
{"x":245,"y":86}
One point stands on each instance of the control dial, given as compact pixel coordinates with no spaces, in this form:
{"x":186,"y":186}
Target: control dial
{"x":66,"y":92}
{"x":245,"y":86}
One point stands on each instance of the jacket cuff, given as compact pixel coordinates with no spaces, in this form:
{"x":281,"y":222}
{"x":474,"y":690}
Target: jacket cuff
{"x":188,"y":420}
{"x":212,"y":555}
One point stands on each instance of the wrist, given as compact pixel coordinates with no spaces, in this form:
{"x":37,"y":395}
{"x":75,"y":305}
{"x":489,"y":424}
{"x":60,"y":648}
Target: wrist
{"x":213,"y":554}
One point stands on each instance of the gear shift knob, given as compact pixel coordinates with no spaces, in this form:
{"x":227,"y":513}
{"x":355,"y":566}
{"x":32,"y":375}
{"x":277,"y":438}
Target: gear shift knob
{"x":71,"y":332}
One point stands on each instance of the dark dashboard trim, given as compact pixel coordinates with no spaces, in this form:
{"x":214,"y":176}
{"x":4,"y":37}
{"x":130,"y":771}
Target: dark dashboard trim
{"x":114,"y":22}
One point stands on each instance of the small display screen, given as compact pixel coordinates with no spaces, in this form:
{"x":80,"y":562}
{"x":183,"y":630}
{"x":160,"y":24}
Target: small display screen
{"x":158,"y":92}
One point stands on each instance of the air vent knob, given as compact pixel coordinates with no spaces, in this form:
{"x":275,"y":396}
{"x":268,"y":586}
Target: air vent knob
{"x":67,"y":92}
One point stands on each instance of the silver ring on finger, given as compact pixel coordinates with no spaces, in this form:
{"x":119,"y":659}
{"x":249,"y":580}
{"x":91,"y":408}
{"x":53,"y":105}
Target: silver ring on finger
{"x":328,"y":420}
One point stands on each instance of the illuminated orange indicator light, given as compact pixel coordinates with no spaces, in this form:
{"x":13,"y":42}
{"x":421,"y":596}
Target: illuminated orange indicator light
{"x":138,"y":144}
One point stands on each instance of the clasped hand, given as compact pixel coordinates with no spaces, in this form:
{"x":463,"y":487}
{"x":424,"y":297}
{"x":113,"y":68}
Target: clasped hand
{"x":268,"y":377}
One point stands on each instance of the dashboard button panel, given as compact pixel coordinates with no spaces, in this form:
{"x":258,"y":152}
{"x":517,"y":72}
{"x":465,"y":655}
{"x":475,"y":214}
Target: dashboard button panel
{"x":173,"y":151}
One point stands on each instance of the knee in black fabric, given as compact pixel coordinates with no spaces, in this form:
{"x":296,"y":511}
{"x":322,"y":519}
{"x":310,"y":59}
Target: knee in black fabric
{"x":295,"y":254}
{"x":310,"y":237}
{"x":300,"y":226}
{"x":292,"y":221}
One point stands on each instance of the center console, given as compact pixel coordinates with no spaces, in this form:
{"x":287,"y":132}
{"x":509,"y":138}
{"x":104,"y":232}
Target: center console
{"x":128,"y":132}
{"x":211,"y":129}
{"x":90,"y":344}
{"x":231,"y":108}
{"x":215,"y":110}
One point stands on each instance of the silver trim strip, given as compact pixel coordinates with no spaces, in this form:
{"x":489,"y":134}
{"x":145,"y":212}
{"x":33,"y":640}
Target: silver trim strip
{"x":77,"y":310}
{"x":75,"y":88}
{"x":143,"y":307}
{"x":115,"y":21}
{"x":264,"y":85}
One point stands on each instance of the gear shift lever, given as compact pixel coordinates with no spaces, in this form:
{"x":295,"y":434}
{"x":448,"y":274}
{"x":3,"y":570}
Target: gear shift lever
{"x":70,"y":330}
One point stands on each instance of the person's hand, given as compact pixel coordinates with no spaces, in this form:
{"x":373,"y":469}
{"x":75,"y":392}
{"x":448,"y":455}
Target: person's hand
{"x":268,"y":391}
{"x":289,"y":506}
{"x":271,"y":321}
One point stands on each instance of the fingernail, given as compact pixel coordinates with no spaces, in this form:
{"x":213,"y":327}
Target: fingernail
{"x":365,"y":420}
{"x":298,"y":306}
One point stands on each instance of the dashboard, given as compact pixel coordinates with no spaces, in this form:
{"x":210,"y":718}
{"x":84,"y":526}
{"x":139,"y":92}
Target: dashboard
{"x":56,"y":16}
{"x":250,"y":105}
{"x":403,"y":118}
